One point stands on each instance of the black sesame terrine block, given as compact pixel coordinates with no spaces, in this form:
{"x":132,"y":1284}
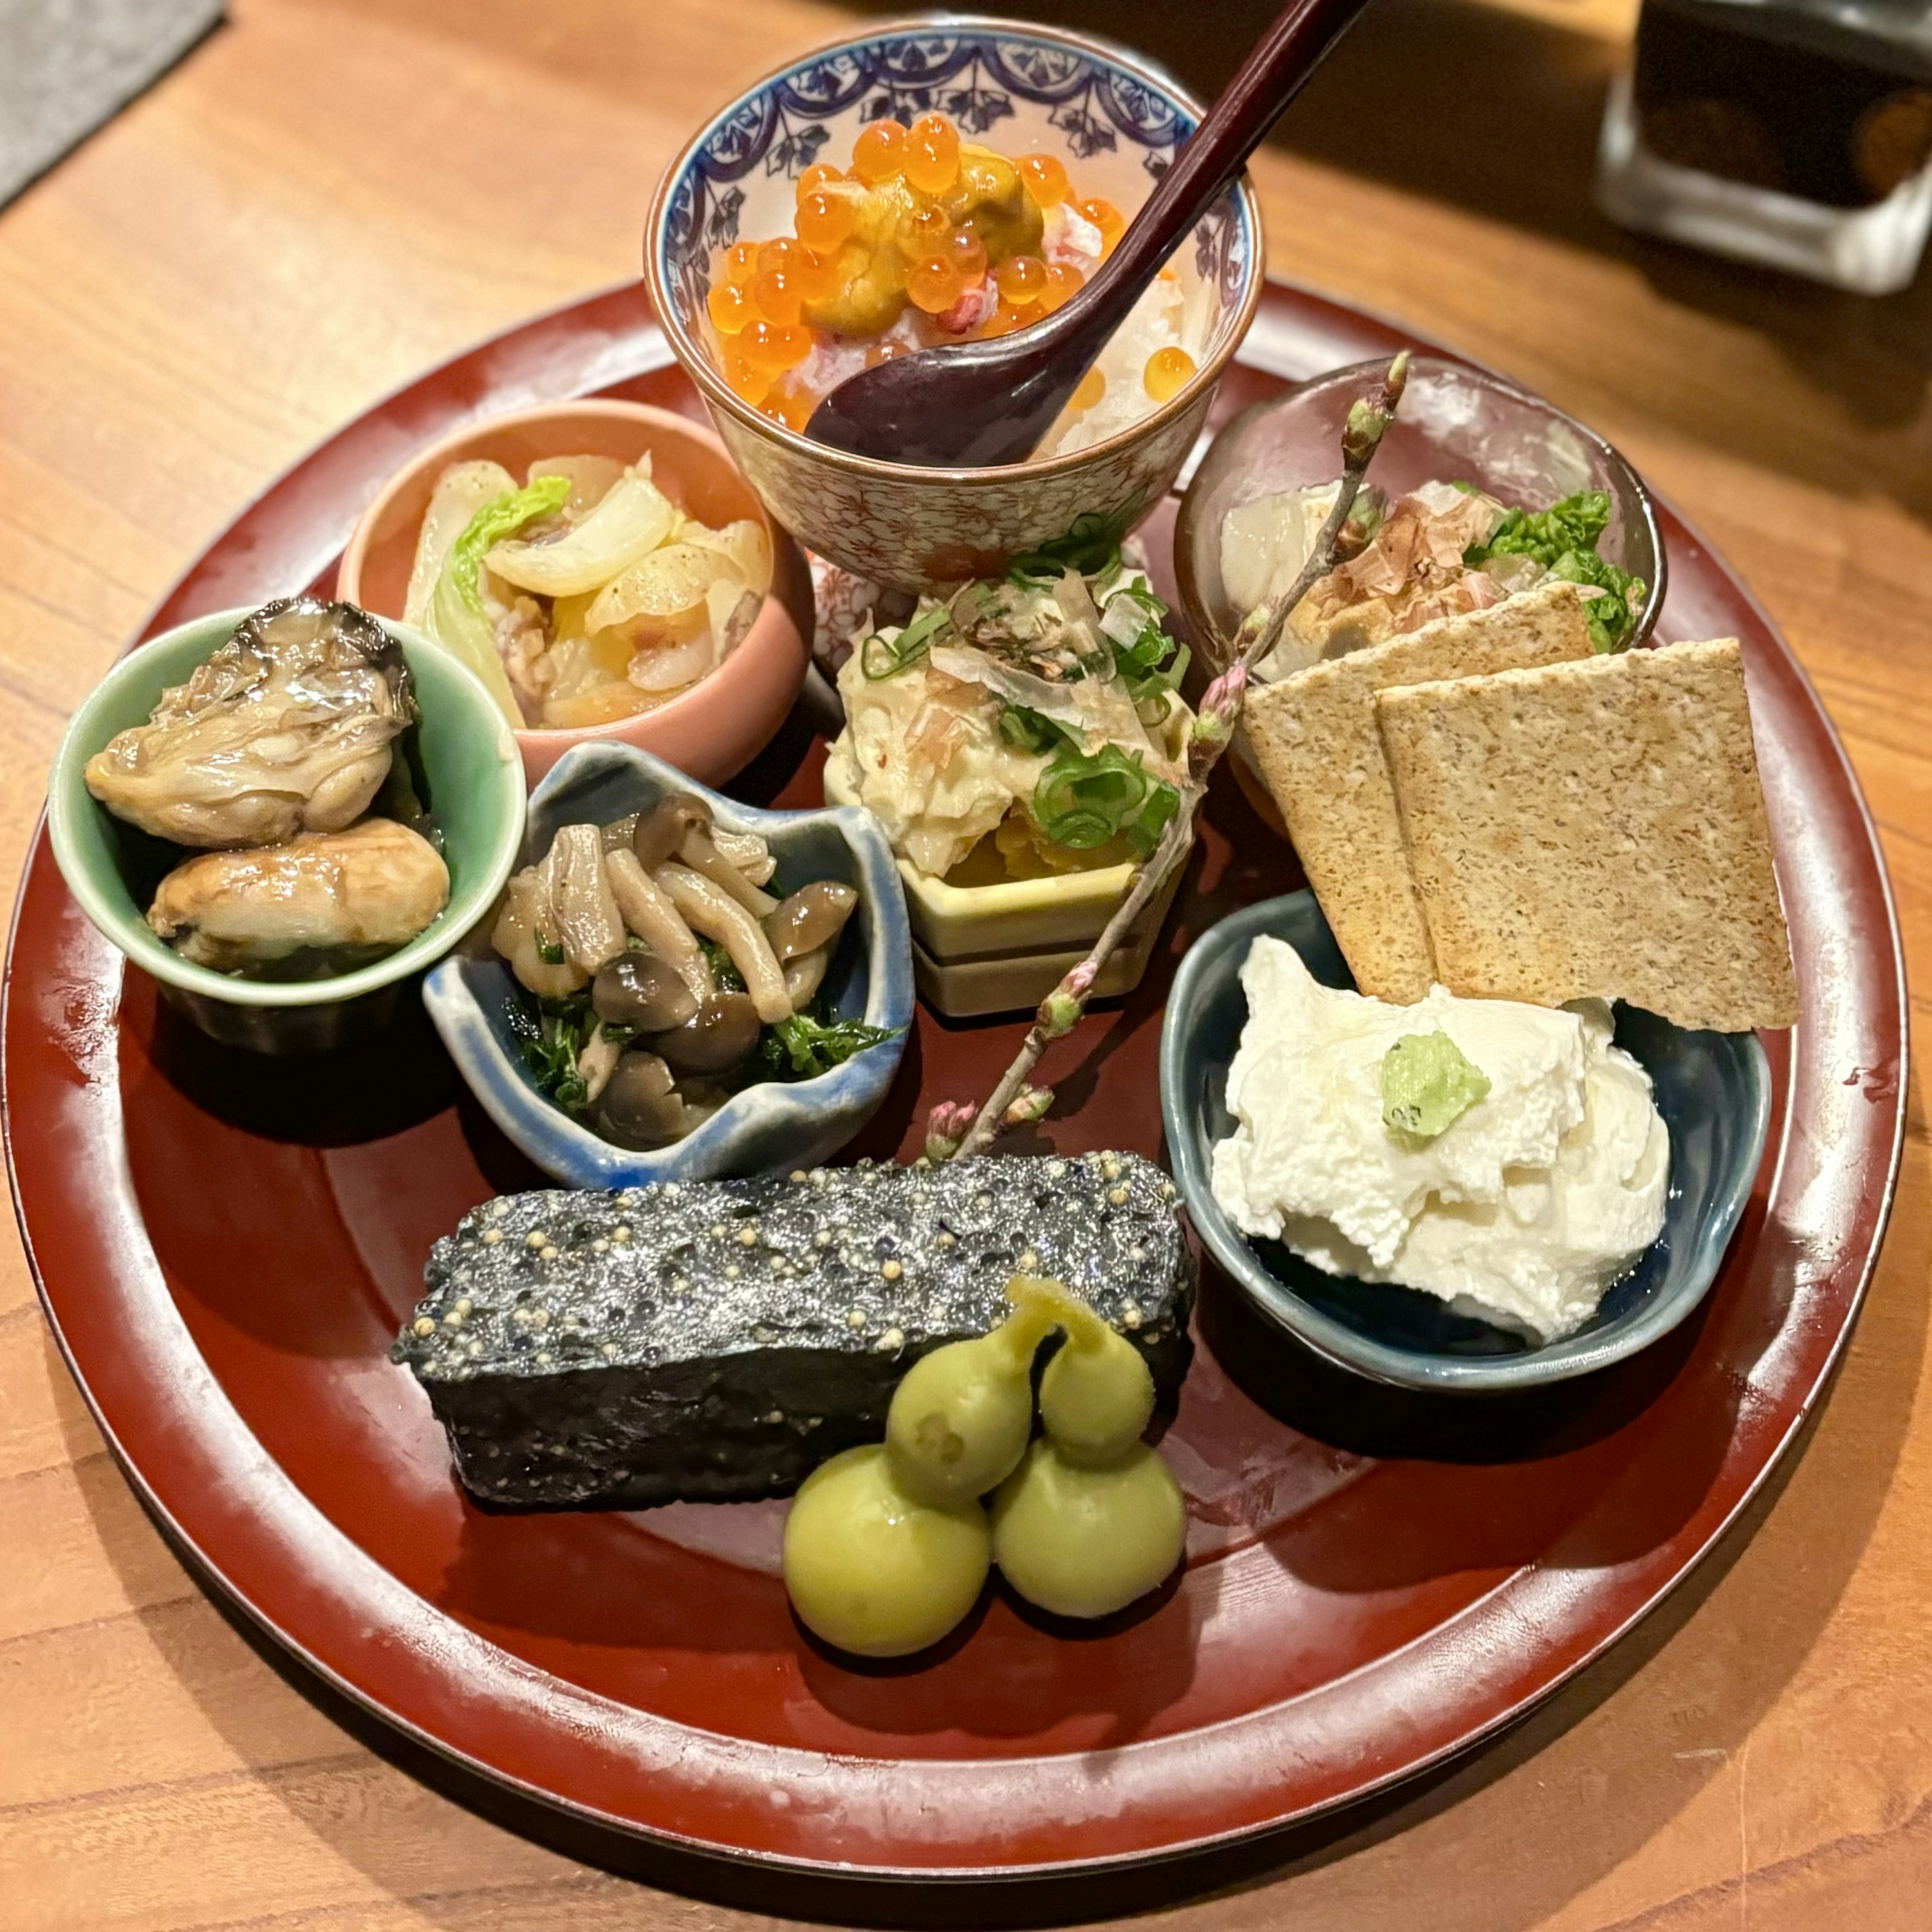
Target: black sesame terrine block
{"x":717,"y":1340}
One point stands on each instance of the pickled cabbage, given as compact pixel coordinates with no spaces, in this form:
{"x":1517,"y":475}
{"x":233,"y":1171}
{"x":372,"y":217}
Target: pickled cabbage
{"x":630,"y":522}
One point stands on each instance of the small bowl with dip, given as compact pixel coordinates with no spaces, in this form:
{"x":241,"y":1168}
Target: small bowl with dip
{"x":986,"y":943}
{"x":1712,"y":1090}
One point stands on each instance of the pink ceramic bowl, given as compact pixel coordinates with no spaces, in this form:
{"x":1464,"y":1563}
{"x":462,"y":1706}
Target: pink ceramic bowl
{"x":715,"y":729}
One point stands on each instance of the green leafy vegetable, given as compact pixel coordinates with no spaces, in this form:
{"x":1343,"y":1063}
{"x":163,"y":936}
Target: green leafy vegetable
{"x":455,"y":619}
{"x":552,"y":1034}
{"x":1085,"y":798}
{"x":811,"y":1043}
{"x":501,"y":517}
{"x":1574,"y":524}
{"x":1563,"y":539}
{"x":1428,"y":1084}
{"x":724,"y":972}
{"x":1611,"y":619}
{"x":1092,"y":547}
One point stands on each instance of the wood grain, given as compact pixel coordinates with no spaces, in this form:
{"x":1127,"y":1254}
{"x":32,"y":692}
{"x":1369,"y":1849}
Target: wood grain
{"x":332,"y":194}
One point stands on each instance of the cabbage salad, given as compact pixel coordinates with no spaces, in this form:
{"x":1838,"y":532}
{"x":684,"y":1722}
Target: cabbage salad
{"x":584,"y":595}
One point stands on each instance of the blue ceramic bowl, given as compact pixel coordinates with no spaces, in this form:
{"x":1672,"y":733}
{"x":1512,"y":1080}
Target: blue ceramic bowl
{"x":772,"y":1125}
{"x":1713,"y":1090}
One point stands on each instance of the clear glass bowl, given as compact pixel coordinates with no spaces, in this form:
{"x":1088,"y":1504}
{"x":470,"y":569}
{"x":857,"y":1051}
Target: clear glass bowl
{"x":1455,"y":423}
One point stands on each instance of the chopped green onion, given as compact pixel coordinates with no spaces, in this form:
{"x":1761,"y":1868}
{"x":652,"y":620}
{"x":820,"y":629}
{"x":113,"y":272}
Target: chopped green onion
{"x":1084,"y":800}
{"x":881,"y":657}
{"x":1029,"y":731}
{"x":1092,"y":547}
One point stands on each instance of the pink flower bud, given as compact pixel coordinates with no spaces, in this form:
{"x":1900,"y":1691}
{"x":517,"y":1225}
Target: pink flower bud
{"x":1224,"y":695}
{"x":947,"y":1125}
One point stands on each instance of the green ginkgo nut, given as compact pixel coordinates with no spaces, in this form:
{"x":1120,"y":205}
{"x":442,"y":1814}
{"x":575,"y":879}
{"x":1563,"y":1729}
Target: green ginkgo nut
{"x":872,"y":1569}
{"x":960,"y":1420}
{"x":1096,"y":1396}
{"x":1085,"y":1542}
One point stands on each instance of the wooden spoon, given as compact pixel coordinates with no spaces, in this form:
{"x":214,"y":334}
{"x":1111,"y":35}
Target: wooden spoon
{"x":975,"y":404}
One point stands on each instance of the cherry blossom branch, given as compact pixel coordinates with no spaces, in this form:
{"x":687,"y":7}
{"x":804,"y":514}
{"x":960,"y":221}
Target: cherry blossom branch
{"x":953,"y":1130}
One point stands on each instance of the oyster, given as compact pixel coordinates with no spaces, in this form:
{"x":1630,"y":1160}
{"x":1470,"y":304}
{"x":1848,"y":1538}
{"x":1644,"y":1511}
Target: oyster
{"x":365,"y":891}
{"x":287,"y":729}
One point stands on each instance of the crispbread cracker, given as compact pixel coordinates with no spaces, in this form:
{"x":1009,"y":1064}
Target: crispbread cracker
{"x":1596,"y":828}
{"x":1315,"y":735}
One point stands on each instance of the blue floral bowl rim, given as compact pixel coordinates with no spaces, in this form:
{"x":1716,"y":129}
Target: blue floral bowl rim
{"x":505,"y":1092}
{"x":1348,"y":1348}
{"x":719,"y":394}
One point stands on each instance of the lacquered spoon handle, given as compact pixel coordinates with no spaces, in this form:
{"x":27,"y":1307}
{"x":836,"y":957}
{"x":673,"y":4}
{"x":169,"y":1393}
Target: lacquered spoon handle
{"x":1268,"y":80}
{"x":989,"y":401}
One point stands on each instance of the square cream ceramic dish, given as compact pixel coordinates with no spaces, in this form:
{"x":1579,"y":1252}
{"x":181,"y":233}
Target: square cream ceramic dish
{"x":1001,"y":948}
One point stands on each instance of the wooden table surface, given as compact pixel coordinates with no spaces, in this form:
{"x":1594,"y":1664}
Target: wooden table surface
{"x":331,"y":195}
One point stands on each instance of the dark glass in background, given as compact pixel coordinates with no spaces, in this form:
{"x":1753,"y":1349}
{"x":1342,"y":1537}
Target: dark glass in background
{"x":1796,"y":133}
{"x":1834,"y":105}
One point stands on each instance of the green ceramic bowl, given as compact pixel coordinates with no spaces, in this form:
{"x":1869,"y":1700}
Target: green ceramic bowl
{"x":475,"y":784}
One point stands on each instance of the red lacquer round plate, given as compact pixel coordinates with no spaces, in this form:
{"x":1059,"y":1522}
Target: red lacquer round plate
{"x":225,"y":1247}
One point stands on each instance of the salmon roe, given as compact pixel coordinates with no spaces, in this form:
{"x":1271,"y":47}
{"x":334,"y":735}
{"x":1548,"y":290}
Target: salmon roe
{"x":817,"y":277}
{"x":1045,"y":178}
{"x":932,"y":163}
{"x":930,"y":240}
{"x":1105,"y":217}
{"x":967,"y":253}
{"x":789,"y":405}
{"x":745,"y":378}
{"x":1064,"y":282}
{"x":934,"y":284}
{"x":879,"y":153}
{"x":1021,"y":279}
{"x":824,"y":220}
{"x":1168,"y":372}
{"x":778,"y":295}
{"x":774,"y":347}
{"x":729,"y":307}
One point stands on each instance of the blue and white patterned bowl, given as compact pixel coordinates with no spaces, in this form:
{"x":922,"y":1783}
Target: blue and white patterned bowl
{"x":1114,"y":118}
{"x":775,"y":1124}
{"x":1713,"y":1090}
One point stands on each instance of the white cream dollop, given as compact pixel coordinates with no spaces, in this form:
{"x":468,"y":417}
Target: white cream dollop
{"x":1528,"y":1207}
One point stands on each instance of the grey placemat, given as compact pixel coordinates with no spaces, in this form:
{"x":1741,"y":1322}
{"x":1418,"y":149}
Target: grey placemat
{"x":66,"y":66}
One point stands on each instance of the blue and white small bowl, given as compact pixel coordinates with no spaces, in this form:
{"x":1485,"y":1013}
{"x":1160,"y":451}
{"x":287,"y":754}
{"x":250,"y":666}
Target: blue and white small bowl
{"x":775,"y":1124}
{"x":1713,"y":1090}
{"x":1112,"y":116}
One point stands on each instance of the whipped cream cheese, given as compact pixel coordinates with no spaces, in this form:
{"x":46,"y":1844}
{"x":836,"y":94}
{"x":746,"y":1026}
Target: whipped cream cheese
{"x":1525,"y":1209}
